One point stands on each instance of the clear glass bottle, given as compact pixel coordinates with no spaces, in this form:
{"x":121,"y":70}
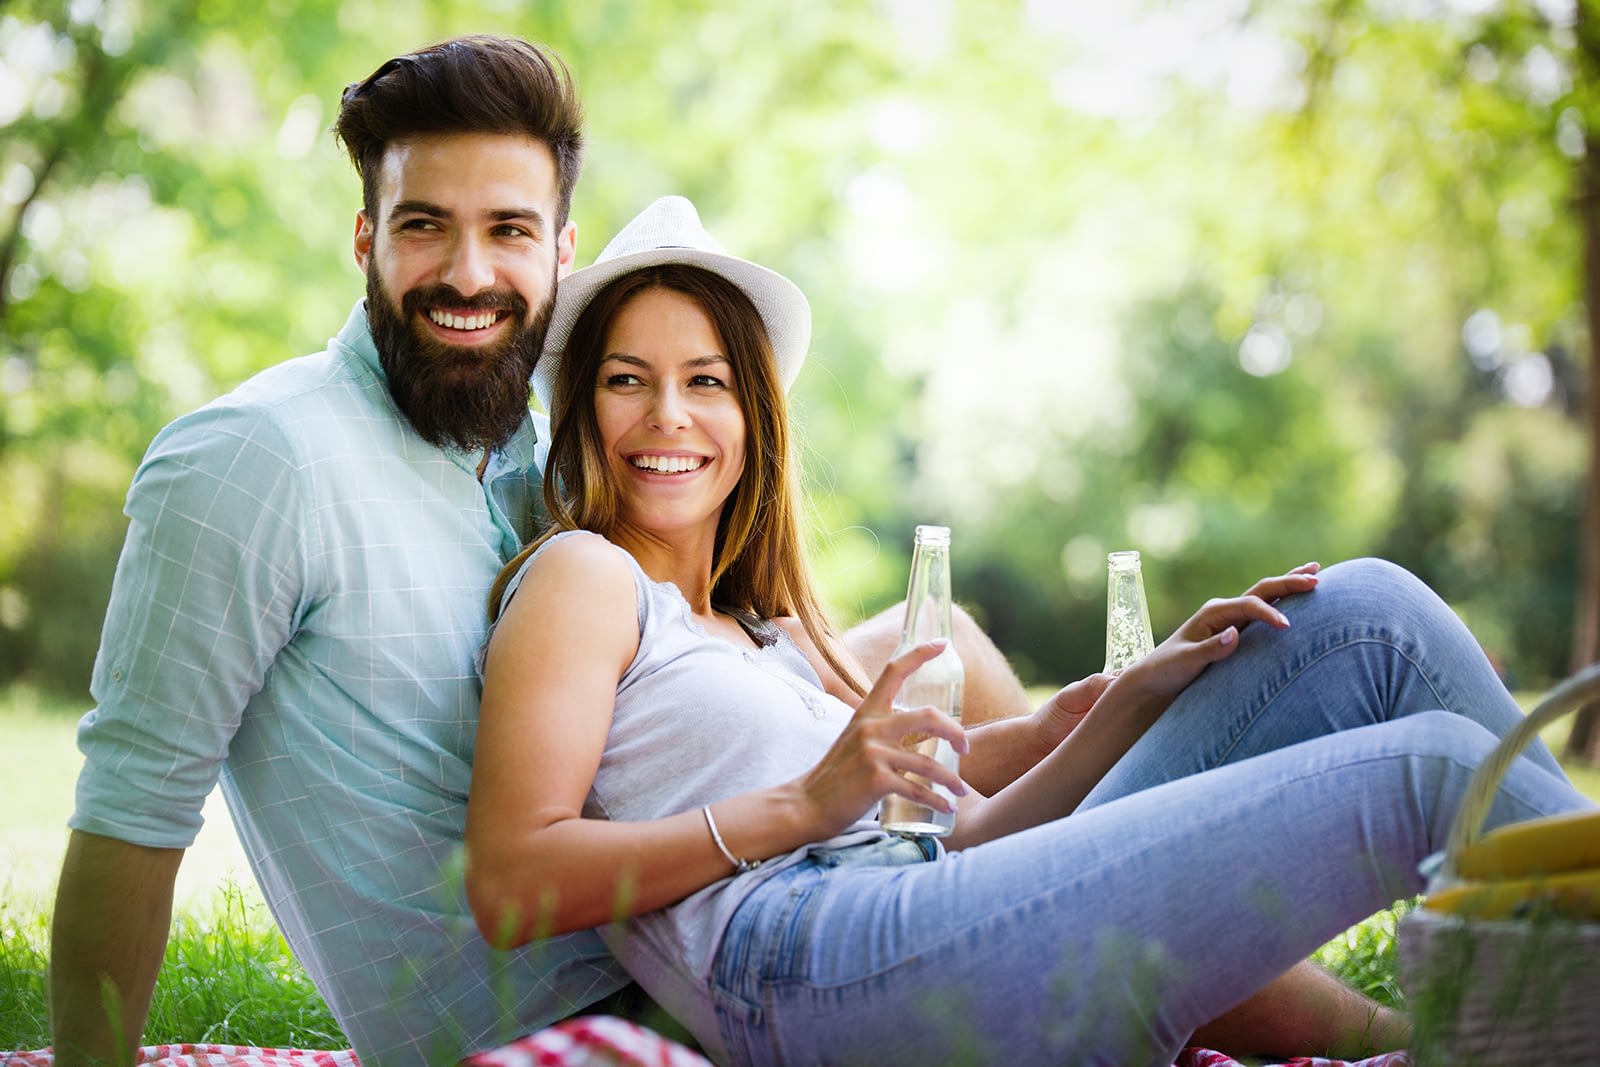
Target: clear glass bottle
{"x":937,"y":682}
{"x":1128,"y":637}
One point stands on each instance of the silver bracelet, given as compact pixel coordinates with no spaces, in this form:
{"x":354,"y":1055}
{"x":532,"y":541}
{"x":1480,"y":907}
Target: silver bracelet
{"x":742,"y":866}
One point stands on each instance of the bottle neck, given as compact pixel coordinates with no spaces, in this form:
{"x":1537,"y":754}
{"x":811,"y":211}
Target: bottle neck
{"x":928,"y":601}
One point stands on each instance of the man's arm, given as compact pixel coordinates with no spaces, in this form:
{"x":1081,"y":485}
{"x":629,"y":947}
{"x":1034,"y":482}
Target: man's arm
{"x":113,"y":908}
{"x":1307,"y":1012}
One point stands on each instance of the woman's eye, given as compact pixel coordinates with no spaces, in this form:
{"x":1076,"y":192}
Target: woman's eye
{"x":706,"y":381}
{"x":619,"y":381}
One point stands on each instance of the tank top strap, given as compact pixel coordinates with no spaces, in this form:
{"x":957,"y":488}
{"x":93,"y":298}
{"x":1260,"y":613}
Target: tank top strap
{"x":763,"y":632}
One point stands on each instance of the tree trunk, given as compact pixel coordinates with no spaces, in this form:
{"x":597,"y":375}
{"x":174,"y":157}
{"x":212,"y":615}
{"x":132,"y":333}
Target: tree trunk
{"x":1584,"y":742}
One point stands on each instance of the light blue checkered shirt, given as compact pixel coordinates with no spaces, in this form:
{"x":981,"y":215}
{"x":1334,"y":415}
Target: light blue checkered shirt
{"x":298,"y":608}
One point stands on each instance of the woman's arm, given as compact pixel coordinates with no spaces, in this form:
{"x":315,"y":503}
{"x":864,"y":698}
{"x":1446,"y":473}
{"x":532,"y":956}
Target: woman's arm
{"x":535,"y":866}
{"x":1133,"y":701}
{"x":1004,"y":749}
{"x":1000,"y":748}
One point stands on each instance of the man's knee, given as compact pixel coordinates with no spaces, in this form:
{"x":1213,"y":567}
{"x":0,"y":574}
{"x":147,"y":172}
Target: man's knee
{"x":992,"y":689}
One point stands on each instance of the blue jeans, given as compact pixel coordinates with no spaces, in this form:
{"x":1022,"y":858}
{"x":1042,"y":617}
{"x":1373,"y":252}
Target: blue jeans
{"x":1288,"y":793}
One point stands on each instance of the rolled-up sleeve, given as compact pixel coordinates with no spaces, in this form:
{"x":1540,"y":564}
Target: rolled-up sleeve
{"x":207,"y":591}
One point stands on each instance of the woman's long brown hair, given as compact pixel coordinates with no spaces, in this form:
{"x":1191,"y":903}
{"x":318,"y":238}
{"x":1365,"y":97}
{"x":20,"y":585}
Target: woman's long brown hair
{"x":759,"y":563}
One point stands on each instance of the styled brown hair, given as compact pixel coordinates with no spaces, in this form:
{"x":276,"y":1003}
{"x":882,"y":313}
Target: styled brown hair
{"x":474,"y":84}
{"x":759,"y":562}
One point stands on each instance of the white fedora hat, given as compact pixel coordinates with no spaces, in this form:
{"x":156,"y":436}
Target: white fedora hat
{"x":669,"y":231}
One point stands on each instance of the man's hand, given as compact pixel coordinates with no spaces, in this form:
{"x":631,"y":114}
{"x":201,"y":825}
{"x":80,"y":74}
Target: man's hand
{"x":113,"y":908}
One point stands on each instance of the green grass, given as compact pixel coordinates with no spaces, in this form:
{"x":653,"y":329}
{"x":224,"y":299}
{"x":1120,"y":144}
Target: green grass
{"x":1364,"y":956}
{"x":229,"y":977}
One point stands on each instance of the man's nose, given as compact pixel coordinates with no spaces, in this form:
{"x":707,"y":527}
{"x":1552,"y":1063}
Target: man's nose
{"x":469,"y":268}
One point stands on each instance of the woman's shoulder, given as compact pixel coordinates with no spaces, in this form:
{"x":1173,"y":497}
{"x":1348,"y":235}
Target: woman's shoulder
{"x":582,"y":581}
{"x":582,"y":556}
{"x":583,"y":546}
{"x":574,"y":563}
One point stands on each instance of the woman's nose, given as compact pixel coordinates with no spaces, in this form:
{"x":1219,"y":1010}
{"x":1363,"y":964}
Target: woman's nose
{"x":668,"y":411}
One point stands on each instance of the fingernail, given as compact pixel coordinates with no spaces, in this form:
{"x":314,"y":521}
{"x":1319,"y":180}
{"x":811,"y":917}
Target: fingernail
{"x":1230,"y":635}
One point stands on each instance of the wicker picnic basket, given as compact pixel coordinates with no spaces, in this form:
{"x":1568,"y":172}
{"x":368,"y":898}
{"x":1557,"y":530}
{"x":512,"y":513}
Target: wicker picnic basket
{"x":1502,"y":992}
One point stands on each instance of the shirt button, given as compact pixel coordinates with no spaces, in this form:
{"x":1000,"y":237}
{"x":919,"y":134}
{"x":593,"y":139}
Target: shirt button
{"x":116,"y":674}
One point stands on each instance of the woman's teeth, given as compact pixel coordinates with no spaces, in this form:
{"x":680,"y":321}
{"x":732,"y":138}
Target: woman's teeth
{"x":668,"y":464}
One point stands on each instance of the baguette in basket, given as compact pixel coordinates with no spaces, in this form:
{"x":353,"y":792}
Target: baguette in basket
{"x":1540,"y":867}
{"x":1501,"y":964}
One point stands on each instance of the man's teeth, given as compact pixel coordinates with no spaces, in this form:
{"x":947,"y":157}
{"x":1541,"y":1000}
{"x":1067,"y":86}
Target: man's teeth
{"x":668,"y":464}
{"x":481,"y":321}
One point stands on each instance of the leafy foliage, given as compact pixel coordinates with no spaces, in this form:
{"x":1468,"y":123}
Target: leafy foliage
{"x":1238,"y":287}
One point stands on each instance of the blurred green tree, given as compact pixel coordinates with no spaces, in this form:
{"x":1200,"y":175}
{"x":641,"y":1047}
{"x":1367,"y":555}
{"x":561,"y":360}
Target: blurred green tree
{"x":1235,"y":285}
{"x":1486,"y":113}
{"x":176,"y":217}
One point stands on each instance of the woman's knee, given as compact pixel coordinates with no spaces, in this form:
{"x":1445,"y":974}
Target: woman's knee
{"x":1380,"y":576}
{"x":1378,"y":592}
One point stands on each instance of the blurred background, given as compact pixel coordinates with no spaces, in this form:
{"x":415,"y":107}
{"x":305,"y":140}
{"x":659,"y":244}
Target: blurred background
{"x":1235,"y":284}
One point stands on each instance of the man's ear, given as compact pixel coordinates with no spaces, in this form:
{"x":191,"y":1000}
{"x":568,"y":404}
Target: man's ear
{"x":566,"y":249}
{"x":363,"y":240}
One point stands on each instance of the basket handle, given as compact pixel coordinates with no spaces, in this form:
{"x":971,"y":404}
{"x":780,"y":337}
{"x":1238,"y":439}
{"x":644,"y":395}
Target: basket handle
{"x":1571,"y":694}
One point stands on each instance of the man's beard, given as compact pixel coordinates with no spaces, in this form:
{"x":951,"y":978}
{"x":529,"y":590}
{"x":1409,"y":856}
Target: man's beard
{"x":470,"y":398}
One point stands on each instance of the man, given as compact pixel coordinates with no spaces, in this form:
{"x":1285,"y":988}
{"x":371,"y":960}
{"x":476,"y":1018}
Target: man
{"x":301,"y":597}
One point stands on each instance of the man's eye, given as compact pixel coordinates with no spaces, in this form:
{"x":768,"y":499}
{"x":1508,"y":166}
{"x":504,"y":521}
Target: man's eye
{"x":509,"y":230}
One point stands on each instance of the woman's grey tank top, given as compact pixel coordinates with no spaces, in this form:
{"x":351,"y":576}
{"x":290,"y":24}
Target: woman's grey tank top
{"x":698,"y":719}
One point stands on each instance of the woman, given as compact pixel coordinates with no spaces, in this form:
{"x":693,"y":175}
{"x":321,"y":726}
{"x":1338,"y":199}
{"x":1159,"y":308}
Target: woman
{"x":675,"y":746}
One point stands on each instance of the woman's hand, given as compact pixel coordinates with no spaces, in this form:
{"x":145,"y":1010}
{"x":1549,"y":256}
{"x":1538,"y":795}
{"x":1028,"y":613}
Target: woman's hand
{"x":876,"y":751}
{"x":1212,"y":633}
{"x":1061,"y":714}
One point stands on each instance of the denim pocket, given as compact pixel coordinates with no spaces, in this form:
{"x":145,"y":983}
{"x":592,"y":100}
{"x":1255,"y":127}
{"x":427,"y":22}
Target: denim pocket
{"x":888,"y":851}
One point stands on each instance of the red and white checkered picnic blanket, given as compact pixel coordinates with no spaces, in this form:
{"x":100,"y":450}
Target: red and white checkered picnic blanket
{"x":587,"y":1041}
